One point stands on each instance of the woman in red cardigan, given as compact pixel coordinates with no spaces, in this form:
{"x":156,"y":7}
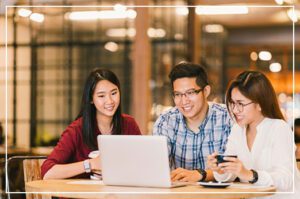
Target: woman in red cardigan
{"x":100,"y":115}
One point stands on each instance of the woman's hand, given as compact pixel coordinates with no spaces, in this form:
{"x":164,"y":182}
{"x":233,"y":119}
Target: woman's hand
{"x":212,"y":163}
{"x":236,"y":167}
{"x":95,"y":164}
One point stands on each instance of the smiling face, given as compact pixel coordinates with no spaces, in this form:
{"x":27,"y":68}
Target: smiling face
{"x":106,"y":98}
{"x":251,"y":113}
{"x":192,"y":106}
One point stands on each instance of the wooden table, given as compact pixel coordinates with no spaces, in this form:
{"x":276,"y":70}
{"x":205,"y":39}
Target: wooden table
{"x":75,"y":188}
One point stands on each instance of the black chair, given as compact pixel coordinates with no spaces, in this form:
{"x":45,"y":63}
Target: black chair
{"x":2,"y":178}
{"x":15,"y":175}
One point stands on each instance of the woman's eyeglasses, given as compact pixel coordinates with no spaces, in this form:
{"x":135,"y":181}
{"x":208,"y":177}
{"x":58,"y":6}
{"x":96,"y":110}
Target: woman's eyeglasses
{"x":239,"y":106}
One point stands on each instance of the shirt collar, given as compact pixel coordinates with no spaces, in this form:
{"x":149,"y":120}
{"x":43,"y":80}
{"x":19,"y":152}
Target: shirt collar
{"x":262,"y":124}
{"x":209,"y":113}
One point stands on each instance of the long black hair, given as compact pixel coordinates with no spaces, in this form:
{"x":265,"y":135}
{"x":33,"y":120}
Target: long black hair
{"x":88,"y":109}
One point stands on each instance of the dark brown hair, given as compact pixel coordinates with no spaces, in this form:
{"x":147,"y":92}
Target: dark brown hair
{"x":186,"y":69}
{"x":256,"y":86}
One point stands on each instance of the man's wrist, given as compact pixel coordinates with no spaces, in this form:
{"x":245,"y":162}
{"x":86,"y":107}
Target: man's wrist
{"x":203,"y":174}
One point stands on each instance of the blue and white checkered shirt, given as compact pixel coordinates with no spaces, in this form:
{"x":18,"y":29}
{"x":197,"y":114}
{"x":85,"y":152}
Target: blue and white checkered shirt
{"x":187,"y":149}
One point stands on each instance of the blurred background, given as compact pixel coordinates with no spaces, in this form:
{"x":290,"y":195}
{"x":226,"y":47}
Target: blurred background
{"x":52,"y":45}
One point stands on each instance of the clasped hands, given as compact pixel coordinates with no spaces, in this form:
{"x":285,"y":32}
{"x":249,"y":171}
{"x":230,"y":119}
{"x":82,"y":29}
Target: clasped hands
{"x":95,"y":164}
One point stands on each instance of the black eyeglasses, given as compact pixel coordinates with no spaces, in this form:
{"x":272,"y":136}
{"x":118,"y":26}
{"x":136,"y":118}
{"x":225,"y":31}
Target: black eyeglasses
{"x":240,"y":106}
{"x":188,"y":94}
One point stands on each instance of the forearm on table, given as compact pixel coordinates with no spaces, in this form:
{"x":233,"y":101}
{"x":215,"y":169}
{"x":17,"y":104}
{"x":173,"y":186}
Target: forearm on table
{"x":209,"y":175}
{"x":61,"y":171}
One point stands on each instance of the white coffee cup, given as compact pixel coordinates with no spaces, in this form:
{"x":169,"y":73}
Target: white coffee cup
{"x":94,"y":154}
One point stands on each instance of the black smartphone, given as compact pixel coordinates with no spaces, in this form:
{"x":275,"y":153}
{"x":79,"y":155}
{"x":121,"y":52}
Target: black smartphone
{"x":220,"y":158}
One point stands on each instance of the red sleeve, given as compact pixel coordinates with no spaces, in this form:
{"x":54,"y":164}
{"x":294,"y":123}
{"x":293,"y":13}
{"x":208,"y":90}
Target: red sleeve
{"x":63,"y":151}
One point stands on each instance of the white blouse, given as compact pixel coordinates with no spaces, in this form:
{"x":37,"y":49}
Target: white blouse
{"x":272,"y":154}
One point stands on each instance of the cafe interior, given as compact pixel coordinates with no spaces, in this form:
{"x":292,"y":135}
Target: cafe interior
{"x":48,"y":48}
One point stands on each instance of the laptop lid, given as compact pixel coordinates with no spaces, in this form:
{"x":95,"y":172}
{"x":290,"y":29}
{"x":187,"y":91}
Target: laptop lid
{"x":134,"y":160}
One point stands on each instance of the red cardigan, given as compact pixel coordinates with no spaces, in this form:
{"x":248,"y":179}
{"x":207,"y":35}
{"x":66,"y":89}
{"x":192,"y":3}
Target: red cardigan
{"x":71,"y":148}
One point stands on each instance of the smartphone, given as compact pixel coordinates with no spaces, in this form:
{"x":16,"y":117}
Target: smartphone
{"x":220,"y":158}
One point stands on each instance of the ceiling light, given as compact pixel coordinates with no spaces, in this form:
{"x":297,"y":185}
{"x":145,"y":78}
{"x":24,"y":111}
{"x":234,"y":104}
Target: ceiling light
{"x":82,"y":15}
{"x":131,"y":14}
{"x":253,"y":56}
{"x":289,"y":1}
{"x":130,"y":32}
{"x":178,"y":36}
{"x":265,"y":55}
{"x":221,"y":10}
{"x":24,"y":12}
{"x":105,"y":14}
{"x":213,"y":28}
{"x":182,"y":11}
{"x":120,"y":32}
{"x":275,"y":67}
{"x":111,"y":14}
{"x":293,"y":14}
{"x":279,"y":2}
{"x":111,"y":46}
{"x":37,"y":17}
{"x":156,"y":33}
{"x":119,"y":7}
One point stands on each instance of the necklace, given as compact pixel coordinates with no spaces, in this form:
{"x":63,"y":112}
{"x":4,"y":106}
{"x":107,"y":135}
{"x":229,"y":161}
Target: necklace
{"x":107,"y":132}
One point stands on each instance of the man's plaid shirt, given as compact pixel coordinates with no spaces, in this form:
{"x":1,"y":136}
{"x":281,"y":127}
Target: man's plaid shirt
{"x":187,"y":149}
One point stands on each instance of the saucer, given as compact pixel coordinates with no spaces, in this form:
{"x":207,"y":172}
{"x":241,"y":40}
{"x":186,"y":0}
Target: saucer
{"x":96,"y":176}
{"x":94,"y":154}
{"x":215,"y":184}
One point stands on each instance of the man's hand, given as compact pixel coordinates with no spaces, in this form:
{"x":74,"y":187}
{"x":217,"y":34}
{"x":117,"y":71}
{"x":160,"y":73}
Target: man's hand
{"x":185,"y":175}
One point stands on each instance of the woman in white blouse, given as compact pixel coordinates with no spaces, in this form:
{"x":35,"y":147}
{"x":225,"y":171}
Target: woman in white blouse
{"x":261,"y":139}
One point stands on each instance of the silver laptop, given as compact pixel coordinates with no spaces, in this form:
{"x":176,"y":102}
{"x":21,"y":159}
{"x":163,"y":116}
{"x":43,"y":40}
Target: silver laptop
{"x":128,"y":160}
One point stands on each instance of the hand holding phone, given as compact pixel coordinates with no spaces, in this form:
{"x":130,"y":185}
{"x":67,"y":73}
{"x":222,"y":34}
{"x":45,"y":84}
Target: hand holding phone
{"x":220,"y":158}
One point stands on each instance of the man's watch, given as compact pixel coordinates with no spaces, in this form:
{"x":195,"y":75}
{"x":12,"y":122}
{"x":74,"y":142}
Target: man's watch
{"x":203,"y":173}
{"x":255,"y":177}
{"x":87,"y":166}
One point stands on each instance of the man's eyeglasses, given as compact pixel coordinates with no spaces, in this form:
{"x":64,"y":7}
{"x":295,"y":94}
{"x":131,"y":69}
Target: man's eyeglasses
{"x":240,"y":106}
{"x":189,"y":94}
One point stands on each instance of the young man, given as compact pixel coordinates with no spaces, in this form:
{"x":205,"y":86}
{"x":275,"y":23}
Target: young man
{"x":195,"y":128}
